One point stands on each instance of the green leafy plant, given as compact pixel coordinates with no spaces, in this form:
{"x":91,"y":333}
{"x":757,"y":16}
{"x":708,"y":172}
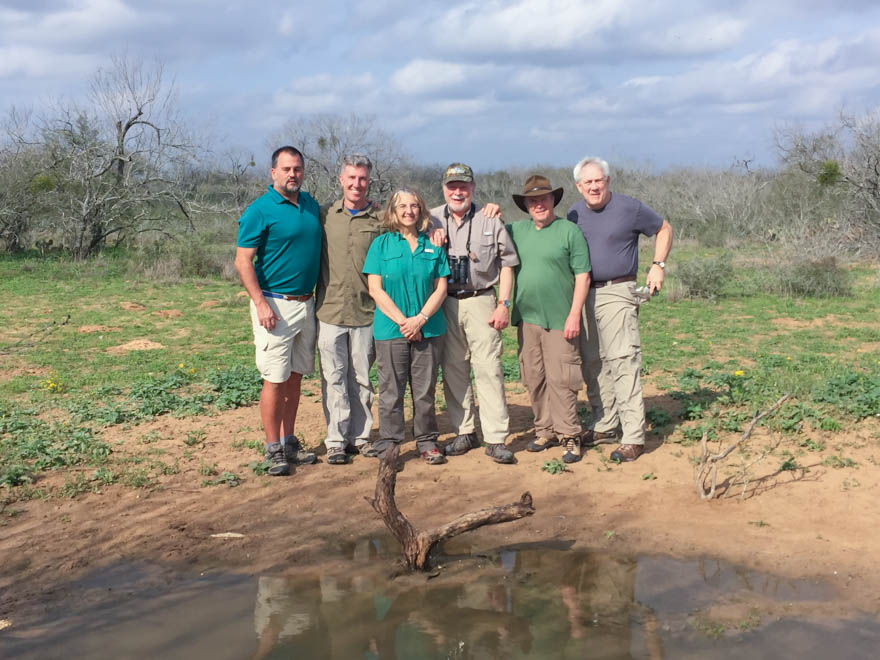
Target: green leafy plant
{"x":225,"y":478}
{"x":554,"y":466}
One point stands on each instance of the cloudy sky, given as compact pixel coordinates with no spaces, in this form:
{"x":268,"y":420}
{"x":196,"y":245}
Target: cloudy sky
{"x":492,"y":83}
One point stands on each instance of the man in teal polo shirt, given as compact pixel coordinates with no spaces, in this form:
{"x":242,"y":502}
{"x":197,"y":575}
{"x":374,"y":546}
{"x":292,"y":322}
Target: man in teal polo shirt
{"x":281,"y":230}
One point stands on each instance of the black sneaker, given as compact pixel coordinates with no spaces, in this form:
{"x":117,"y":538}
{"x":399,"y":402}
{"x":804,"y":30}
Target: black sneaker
{"x":278,"y":463}
{"x":499,"y":453}
{"x":296,"y":455}
{"x":571,"y":446}
{"x":462,"y":444}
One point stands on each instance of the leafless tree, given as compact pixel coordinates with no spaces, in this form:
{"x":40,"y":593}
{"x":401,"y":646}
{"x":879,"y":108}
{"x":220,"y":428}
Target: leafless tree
{"x":841,"y":165}
{"x":114,"y":164}
{"x":326,"y":139}
{"x":21,"y":163}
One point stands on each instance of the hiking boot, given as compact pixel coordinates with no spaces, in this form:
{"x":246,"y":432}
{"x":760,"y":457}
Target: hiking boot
{"x":499,"y":453}
{"x":541,"y":443}
{"x":367,"y":450}
{"x":295,"y":454}
{"x":462,"y":444}
{"x":277,"y":462}
{"x":336,"y":456}
{"x":626,"y":453}
{"x":591,"y":438}
{"x":571,"y":446}
{"x":433,"y":457}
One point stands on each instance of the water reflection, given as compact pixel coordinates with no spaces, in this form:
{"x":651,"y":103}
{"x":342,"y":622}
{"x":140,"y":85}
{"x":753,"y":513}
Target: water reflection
{"x":522,"y":603}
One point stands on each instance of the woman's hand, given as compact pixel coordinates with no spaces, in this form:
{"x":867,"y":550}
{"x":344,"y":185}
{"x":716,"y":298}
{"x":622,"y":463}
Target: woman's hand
{"x":411,"y":327}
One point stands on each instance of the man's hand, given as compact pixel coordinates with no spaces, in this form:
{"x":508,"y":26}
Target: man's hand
{"x":655,"y":278}
{"x":572,"y":326}
{"x":500,"y":318}
{"x":491,"y":211}
{"x":437,"y":236}
{"x":266,"y":316}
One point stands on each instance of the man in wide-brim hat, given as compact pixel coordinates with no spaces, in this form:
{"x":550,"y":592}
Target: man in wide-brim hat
{"x":536,"y":186}
{"x":552,"y":281}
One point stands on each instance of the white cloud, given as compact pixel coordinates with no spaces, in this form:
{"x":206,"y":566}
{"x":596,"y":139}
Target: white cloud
{"x":80,"y":23}
{"x":39,"y":62}
{"x":457,"y":107}
{"x":422,"y":76}
{"x":324,"y":93}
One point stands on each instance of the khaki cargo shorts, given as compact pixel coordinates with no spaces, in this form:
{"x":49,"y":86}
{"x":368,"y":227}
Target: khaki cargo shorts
{"x":290,"y":347}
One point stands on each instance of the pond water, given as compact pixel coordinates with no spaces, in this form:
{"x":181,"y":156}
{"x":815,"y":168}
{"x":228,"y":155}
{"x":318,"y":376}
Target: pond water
{"x":532,"y":601}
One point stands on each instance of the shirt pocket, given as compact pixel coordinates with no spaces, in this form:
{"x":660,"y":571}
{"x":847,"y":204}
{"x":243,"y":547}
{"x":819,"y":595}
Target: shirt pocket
{"x":392,"y":267}
{"x":361,"y":239}
{"x":487,"y":252}
{"x":425,"y":265}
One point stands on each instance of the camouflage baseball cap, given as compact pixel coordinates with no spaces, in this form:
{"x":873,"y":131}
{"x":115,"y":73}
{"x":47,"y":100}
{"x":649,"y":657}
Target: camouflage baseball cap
{"x":458,"y":172}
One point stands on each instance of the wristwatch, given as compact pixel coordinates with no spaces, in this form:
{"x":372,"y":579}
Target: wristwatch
{"x":662,"y":264}
{"x":506,"y":303}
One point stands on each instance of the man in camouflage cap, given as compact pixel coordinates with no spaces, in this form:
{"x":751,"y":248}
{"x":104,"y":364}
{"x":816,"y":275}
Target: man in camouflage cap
{"x":480,"y":255}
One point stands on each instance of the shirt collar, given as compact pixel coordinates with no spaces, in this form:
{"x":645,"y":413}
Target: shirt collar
{"x":467,"y":216}
{"x":278,"y":198}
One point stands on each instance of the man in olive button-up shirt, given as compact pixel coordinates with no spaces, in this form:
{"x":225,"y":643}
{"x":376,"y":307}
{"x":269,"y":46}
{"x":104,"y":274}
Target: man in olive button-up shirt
{"x":345,"y":313}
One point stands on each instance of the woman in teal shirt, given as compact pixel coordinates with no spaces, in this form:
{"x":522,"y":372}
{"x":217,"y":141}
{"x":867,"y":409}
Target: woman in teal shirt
{"x":407,"y":279}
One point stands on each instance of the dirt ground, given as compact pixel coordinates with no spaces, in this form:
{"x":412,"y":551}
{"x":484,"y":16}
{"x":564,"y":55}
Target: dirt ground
{"x":822,"y":523}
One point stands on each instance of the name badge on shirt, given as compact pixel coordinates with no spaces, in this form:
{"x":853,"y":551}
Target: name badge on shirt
{"x":487,"y":233}
{"x":429,"y":251}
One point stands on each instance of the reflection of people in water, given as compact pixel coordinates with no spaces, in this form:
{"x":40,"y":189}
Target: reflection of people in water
{"x":598,"y":592}
{"x":537,"y":603}
{"x":286,"y":613}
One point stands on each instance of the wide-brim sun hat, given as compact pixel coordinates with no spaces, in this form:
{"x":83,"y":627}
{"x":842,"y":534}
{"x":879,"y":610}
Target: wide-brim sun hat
{"x":536,"y":186}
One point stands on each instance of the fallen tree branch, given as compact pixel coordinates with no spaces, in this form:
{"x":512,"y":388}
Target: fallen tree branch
{"x":709,"y":462}
{"x":418,"y":545}
{"x":35,"y":336}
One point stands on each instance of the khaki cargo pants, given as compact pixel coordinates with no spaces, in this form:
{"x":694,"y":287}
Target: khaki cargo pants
{"x":612,"y":353}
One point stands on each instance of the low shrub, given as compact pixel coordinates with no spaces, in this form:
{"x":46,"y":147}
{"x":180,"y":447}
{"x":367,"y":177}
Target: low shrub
{"x":812,"y":278}
{"x":704,"y":277}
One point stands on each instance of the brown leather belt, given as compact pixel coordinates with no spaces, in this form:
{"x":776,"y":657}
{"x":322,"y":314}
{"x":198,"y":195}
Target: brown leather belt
{"x":284,"y":296}
{"x":466,"y":293}
{"x":618,"y":280}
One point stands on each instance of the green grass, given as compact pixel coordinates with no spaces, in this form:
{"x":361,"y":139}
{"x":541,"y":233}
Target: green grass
{"x":716,"y":362}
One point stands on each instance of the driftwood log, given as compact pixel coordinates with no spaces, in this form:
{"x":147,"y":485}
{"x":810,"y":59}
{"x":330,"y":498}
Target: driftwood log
{"x":417,"y":545}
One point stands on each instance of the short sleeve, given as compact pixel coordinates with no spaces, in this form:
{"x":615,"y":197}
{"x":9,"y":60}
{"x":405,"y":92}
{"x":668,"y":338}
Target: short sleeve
{"x":442,"y":266}
{"x":579,"y":253}
{"x":648,"y":221}
{"x":506,"y":249}
{"x":251,"y":228}
{"x":373,"y":262}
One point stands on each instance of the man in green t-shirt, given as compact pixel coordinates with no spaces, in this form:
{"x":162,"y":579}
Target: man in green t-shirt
{"x":552,"y":281}
{"x":277,"y":257}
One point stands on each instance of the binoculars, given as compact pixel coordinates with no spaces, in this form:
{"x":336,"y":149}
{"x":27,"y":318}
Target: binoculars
{"x":459,"y":270}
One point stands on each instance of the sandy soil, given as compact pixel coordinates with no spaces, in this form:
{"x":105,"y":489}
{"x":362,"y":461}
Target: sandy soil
{"x":822,"y":523}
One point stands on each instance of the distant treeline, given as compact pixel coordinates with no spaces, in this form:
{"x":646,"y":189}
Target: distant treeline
{"x":123,"y":169}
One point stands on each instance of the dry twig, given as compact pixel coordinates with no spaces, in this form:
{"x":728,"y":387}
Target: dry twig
{"x":708,"y":464}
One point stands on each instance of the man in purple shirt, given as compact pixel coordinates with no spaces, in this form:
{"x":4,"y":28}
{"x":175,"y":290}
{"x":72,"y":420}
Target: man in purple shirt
{"x":612,"y":224}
